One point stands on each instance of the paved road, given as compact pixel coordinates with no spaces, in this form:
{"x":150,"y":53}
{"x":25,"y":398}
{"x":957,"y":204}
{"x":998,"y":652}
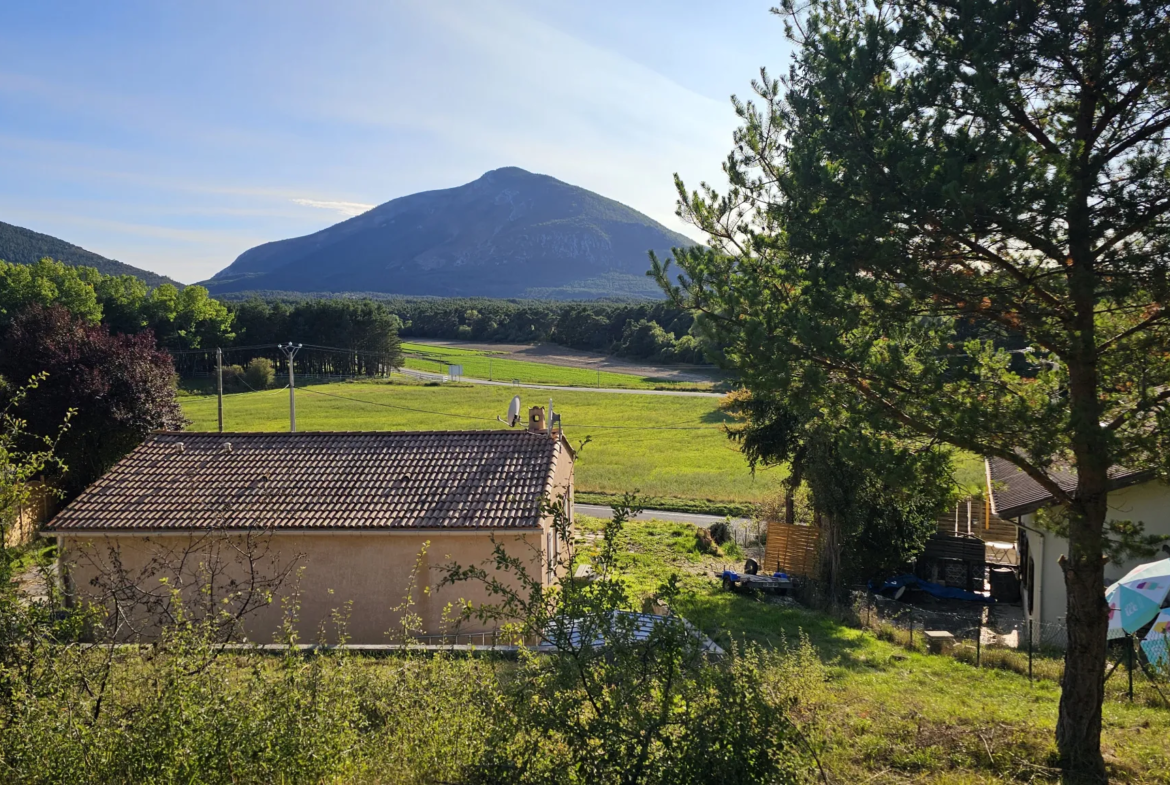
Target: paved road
{"x":438,"y":377}
{"x":601,"y":511}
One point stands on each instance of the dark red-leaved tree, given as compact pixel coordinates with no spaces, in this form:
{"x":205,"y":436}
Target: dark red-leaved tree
{"x":120,"y":386}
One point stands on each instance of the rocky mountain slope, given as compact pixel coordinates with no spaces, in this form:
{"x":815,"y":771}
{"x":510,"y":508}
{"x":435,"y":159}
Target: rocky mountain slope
{"x":510,"y":233}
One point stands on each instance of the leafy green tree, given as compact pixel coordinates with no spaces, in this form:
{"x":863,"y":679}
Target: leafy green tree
{"x":645,"y":340}
{"x":27,"y":628}
{"x":180,"y":319}
{"x":45,"y":283}
{"x":878,"y":497}
{"x":187,"y":319}
{"x":932,"y":184}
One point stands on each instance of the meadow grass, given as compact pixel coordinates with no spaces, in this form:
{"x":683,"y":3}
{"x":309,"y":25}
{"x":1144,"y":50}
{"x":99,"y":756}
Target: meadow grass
{"x":496,"y":366}
{"x":893,"y":715}
{"x":637,"y":442}
{"x":665,"y":447}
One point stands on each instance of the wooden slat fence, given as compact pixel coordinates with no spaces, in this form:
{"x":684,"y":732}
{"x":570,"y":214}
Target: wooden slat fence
{"x":971,"y":516}
{"x":38,"y":509}
{"x":792,"y":549}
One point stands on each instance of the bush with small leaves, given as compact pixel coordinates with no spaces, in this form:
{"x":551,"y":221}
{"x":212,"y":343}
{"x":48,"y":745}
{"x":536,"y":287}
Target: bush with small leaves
{"x":259,"y":373}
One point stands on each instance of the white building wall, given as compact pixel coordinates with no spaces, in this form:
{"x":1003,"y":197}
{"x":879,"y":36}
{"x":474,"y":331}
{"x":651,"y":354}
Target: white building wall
{"x":1148,"y":503}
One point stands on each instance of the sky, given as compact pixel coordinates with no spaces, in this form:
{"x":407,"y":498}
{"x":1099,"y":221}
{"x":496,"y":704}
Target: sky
{"x":175,"y":136}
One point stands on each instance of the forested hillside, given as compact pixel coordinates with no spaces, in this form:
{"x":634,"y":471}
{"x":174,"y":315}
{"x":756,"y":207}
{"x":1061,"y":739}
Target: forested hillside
{"x":24,"y":246}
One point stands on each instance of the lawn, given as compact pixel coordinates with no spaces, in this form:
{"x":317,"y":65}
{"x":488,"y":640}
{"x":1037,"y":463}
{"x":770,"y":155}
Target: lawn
{"x":891,"y":715}
{"x":665,"y":447}
{"x":661,"y":446}
{"x":496,"y":366}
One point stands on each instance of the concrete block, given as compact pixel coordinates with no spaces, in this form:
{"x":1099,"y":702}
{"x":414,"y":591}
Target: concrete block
{"x":939,"y":641}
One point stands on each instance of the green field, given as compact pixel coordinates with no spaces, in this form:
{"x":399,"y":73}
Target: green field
{"x":669,"y":447}
{"x":498,"y":367}
{"x":891,"y":715}
{"x":638,"y":442}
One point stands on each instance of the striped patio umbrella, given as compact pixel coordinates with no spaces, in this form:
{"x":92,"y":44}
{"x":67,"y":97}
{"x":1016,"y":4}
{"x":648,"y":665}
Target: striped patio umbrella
{"x":1136,"y":599}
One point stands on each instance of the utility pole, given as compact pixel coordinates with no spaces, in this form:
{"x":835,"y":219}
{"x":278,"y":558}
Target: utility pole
{"x":290,"y":352}
{"x":219,"y":383}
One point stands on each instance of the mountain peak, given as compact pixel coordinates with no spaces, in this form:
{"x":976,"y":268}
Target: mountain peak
{"x":510,"y":233}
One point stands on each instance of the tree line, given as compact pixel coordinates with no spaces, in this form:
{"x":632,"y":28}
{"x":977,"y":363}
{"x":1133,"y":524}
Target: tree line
{"x":191,"y":324}
{"x":656,"y":331}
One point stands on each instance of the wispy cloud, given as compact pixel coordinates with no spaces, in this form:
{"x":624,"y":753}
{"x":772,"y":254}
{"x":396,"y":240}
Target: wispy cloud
{"x":345,"y":208}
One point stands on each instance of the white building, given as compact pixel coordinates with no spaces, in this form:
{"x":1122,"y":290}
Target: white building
{"x":1133,"y":496}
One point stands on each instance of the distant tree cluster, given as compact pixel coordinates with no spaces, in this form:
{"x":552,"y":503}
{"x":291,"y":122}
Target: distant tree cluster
{"x":188,"y":319}
{"x":368,"y":330}
{"x":179,"y":319}
{"x":655,"y":331}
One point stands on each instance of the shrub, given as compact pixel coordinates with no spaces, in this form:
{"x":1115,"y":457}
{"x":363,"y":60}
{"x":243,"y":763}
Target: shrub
{"x":704,"y":542}
{"x":620,"y":700}
{"x":720,"y":532}
{"x":233,"y":377}
{"x":259,"y":373}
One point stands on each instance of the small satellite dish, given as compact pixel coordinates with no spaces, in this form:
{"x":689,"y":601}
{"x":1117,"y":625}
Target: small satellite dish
{"x":513,"y":413}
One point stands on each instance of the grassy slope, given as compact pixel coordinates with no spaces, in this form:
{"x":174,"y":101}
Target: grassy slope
{"x":489,"y":365}
{"x":892,"y":715}
{"x":696,"y":464}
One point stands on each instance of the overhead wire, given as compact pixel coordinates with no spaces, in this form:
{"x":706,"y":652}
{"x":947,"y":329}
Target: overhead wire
{"x":444,"y":414}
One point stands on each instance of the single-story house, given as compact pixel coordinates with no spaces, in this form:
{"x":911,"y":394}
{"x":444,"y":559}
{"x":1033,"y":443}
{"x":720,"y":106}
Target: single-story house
{"x":1134,"y":496}
{"x":349,"y":522}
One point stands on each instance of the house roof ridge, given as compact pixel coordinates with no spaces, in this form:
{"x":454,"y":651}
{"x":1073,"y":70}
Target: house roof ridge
{"x":212,"y":434}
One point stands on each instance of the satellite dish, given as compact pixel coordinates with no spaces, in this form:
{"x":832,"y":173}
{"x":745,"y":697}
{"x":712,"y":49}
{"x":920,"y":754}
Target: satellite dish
{"x":513,"y":413}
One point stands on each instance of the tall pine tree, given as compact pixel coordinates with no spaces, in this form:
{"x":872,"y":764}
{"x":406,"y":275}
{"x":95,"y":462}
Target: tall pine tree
{"x":954,"y":219}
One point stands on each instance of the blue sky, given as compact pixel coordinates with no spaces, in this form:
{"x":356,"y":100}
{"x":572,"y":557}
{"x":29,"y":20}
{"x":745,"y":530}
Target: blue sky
{"x":175,"y":136}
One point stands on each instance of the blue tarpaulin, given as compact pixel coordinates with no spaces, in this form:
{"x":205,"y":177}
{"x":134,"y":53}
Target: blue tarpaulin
{"x":934,"y":589}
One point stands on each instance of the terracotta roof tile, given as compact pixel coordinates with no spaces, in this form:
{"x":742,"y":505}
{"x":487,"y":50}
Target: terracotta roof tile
{"x":322,"y":480}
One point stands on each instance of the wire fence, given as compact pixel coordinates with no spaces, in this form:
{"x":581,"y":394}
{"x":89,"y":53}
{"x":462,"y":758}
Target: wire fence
{"x":996,"y":635}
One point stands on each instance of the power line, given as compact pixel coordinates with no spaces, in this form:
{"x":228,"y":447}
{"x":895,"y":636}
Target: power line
{"x":225,"y":348}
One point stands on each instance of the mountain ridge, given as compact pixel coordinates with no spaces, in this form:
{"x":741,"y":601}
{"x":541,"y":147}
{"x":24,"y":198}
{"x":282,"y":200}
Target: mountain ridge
{"x":19,"y":245}
{"x":504,"y":234}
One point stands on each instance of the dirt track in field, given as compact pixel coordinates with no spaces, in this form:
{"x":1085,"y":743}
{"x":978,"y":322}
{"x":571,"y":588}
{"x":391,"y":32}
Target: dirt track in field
{"x":572,"y":358}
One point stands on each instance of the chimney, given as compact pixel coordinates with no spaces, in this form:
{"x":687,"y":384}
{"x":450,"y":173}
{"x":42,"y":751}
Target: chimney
{"x":536,"y":422}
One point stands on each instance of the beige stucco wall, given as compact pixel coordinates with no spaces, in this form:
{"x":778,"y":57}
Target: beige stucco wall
{"x":1148,"y":503}
{"x":366,"y":575}
{"x":371,"y":573}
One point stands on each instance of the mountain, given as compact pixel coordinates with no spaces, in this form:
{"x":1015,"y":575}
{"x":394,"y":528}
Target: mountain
{"x":511,"y":233}
{"x":24,"y":246}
